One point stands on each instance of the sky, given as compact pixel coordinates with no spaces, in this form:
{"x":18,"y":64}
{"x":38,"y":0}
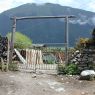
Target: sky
{"x":88,"y":5}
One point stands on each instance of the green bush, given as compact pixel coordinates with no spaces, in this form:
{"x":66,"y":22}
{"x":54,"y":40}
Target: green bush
{"x":13,"y":67}
{"x":61,"y":68}
{"x":50,"y":62}
{"x":3,"y":67}
{"x":70,"y":69}
{"x":0,"y":37}
{"x":20,"y":40}
{"x":0,"y":65}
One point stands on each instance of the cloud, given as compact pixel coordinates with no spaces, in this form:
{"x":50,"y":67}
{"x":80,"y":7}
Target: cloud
{"x":5,"y":4}
{"x":84,"y":4}
{"x":24,"y":1}
{"x":93,"y":20}
{"x":88,"y":5}
{"x":91,"y":6}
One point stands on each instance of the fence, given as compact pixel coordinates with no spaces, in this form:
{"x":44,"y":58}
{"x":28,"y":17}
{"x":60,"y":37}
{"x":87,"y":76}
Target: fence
{"x":45,"y":59}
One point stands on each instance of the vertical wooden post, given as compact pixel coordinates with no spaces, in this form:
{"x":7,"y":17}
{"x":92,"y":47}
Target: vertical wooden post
{"x":66,"y":39}
{"x":36,"y":59}
{"x":12,"y":40}
{"x":2,"y":63}
{"x":8,"y":55}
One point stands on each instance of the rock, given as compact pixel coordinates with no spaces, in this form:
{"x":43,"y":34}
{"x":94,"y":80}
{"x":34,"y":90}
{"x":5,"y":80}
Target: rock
{"x":87,"y":75}
{"x":44,"y":89}
{"x":77,"y":51}
{"x":62,"y":78}
{"x":67,"y":82}
{"x":87,"y":72}
{"x":94,"y":93}
{"x":34,"y":76}
{"x":70,"y":75}
{"x":59,"y":89}
{"x":82,"y":93}
{"x":80,"y":81}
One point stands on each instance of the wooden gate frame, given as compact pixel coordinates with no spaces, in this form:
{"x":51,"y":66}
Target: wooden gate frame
{"x":40,"y":17}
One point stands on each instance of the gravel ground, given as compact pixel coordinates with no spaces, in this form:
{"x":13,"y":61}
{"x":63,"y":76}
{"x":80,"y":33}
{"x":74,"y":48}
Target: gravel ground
{"x":19,"y":83}
{"x":74,"y":86}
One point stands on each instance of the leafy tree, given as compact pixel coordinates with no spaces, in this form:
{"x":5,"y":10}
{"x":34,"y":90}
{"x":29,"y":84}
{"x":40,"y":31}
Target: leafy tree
{"x":91,"y":42}
{"x":86,"y":42}
{"x":93,"y":33}
{"x":81,"y":43}
{"x":20,"y":40}
{"x":0,"y":37}
{"x":93,"y":37}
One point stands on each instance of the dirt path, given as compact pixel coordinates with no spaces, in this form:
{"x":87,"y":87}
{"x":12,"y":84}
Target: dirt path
{"x":17,"y":83}
{"x":74,"y":86}
{"x":27,"y":84}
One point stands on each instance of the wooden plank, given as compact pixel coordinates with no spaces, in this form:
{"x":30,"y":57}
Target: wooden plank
{"x":42,"y":17}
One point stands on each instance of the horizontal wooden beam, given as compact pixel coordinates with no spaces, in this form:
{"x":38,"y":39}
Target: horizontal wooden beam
{"x":42,"y":17}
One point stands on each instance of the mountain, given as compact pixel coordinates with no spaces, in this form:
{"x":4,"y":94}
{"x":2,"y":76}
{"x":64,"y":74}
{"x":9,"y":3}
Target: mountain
{"x":49,"y":30}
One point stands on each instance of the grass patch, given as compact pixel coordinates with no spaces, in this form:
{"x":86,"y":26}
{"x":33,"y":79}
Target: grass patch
{"x":13,"y":67}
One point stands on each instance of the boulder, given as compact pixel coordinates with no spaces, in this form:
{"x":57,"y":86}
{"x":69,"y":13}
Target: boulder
{"x":87,"y":75}
{"x":87,"y":72}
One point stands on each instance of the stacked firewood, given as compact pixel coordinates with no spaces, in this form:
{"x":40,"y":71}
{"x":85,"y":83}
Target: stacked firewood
{"x":3,"y":47}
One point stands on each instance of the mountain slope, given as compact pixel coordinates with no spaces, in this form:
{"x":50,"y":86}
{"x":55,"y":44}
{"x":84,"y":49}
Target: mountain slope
{"x":49,"y":30}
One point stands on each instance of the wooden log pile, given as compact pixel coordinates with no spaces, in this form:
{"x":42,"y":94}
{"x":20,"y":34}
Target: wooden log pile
{"x":3,"y":47}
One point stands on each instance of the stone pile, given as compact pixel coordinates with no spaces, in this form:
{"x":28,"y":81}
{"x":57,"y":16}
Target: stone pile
{"x":85,"y":59}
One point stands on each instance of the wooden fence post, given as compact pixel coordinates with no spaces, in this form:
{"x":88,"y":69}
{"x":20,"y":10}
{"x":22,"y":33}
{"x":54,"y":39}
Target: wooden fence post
{"x":2,"y":64}
{"x":8,"y":55}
